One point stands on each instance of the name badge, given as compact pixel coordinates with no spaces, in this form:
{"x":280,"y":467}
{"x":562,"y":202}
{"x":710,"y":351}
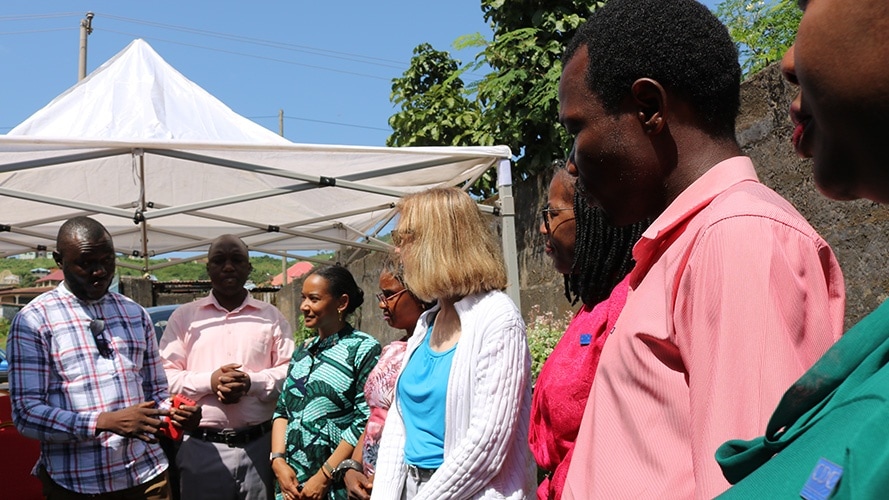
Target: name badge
{"x":586,"y":338}
{"x":822,"y":481}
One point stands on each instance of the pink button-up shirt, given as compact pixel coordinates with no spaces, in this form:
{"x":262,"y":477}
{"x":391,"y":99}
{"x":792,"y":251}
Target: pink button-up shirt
{"x":202,"y":336}
{"x":732,"y":298}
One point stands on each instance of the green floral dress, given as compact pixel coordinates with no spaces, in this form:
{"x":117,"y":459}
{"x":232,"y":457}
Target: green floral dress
{"x":323,"y":399}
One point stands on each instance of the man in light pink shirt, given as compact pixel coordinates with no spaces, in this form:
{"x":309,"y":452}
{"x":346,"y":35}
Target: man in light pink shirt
{"x":733,"y":295}
{"x":229,"y":352}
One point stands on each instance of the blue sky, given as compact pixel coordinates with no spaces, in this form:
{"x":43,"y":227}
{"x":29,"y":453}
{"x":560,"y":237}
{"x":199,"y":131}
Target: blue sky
{"x":332,"y":78}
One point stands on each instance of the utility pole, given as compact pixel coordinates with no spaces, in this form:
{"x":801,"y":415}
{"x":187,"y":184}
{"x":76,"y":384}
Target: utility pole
{"x":86,"y":27}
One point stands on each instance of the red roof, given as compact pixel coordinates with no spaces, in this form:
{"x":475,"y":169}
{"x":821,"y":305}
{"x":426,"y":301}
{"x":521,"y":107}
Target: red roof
{"x":294,"y":272}
{"x":55,"y":275}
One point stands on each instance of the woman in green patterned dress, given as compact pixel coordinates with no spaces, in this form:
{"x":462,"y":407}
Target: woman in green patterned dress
{"x":322,"y":411}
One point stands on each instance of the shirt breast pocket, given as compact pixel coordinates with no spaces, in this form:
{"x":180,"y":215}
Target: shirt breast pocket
{"x":75,"y":363}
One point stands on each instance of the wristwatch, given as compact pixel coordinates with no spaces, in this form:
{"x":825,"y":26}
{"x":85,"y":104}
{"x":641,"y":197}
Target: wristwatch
{"x":273,"y":456}
{"x":340,"y":471}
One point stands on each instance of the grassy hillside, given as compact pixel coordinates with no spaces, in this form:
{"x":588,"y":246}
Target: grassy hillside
{"x":264,"y":269}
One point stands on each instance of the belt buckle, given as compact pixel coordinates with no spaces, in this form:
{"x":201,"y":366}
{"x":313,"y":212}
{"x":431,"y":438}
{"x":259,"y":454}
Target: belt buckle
{"x":228,"y":436}
{"x":416,"y":472}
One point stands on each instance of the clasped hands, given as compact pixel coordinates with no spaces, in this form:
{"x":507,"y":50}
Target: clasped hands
{"x":229,"y":383}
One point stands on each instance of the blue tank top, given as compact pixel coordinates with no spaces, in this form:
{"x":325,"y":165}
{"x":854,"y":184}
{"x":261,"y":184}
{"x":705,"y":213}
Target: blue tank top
{"x":422,"y":389}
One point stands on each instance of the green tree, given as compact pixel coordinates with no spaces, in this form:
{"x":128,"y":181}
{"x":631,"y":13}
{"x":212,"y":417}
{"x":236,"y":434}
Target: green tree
{"x":762,"y":30}
{"x":514,"y":103}
{"x":434,"y":106}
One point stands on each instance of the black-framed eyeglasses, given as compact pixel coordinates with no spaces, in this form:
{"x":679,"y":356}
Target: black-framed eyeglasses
{"x":385,"y":299}
{"x":546,"y":213}
{"x":97,"y":328}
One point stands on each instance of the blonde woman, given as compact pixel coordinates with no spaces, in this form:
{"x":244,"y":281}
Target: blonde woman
{"x":463,"y":397}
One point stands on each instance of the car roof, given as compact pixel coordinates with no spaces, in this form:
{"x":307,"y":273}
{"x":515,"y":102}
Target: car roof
{"x":168,"y":307}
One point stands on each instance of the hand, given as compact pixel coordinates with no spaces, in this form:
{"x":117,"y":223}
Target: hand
{"x":286,"y":477}
{"x":186,"y":417}
{"x":141,"y":421}
{"x":358,"y":485}
{"x":229,"y":383}
{"x":316,"y":487}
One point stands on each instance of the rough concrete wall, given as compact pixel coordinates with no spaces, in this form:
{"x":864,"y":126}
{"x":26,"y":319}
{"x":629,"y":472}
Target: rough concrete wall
{"x":137,"y":289}
{"x":764,"y":131}
{"x":367,"y":318}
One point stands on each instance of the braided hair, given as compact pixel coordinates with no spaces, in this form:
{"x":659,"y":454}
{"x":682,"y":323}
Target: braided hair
{"x":603,"y":254}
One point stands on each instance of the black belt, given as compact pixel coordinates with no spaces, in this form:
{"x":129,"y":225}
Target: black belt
{"x":232,"y":437}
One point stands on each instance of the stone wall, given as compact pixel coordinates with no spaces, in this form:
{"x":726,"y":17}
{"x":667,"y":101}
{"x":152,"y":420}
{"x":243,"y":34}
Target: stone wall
{"x":851,"y":228}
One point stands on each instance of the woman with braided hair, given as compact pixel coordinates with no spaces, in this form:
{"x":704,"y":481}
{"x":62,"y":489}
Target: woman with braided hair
{"x":594,"y":257}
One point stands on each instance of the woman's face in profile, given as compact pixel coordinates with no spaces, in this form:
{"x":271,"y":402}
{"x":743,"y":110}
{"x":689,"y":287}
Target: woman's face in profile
{"x":558,"y":225}
{"x":400,"y":308}
{"x":320,"y":309}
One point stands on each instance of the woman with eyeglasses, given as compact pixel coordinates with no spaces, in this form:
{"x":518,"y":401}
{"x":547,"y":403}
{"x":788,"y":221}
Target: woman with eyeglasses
{"x":462,"y":400}
{"x":401,"y":310}
{"x":322,"y":411}
{"x":594,"y":257}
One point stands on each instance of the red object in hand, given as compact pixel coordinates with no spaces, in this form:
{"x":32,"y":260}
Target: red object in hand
{"x":171,"y":431}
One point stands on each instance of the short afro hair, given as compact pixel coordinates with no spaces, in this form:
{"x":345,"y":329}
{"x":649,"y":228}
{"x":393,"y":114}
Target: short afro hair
{"x":678,"y":43}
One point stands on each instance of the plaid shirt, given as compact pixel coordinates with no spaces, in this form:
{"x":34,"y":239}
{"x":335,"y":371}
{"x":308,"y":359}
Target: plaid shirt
{"x":60,"y":384}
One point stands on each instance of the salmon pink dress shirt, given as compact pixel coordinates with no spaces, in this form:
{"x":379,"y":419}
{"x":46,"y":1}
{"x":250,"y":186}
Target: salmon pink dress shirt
{"x":202,"y":335}
{"x":732,"y":298}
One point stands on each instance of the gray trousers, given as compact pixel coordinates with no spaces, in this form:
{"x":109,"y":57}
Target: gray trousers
{"x":215,"y":471}
{"x":414,"y":480}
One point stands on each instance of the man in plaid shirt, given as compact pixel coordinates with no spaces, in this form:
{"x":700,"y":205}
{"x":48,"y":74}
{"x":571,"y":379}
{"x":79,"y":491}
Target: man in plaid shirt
{"x":86,"y":379}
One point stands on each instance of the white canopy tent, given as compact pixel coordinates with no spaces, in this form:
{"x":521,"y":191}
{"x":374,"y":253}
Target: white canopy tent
{"x":166,"y":167}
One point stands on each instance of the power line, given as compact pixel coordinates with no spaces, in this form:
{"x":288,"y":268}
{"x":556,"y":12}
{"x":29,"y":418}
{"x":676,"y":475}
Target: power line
{"x":320,"y":121}
{"x":269,"y":43}
{"x":36,"y":31}
{"x":353,"y":73}
{"x":362,"y":59}
{"x":399,"y":65}
{"x":38,"y":16}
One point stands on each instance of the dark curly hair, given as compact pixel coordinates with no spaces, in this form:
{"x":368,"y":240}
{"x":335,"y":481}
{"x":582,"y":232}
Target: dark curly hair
{"x":678,"y":43}
{"x":603,"y":253}
{"x":341,"y":282}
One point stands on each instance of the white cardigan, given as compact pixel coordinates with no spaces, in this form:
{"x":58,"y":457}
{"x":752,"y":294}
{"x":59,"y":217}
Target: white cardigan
{"x":488,"y":406}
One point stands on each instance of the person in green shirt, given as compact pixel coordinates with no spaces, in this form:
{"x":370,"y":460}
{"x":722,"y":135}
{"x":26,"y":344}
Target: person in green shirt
{"x":322,"y":411}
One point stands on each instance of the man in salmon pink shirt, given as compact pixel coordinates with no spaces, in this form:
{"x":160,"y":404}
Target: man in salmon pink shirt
{"x":733,"y":295}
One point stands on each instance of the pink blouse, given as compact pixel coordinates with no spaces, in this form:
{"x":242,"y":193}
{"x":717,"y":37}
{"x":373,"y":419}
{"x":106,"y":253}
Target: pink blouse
{"x":563,"y":388}
{"x":379,"y":390}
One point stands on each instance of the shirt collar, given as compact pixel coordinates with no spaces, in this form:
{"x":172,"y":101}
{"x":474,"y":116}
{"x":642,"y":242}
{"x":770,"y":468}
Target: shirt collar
{"x":664,"y":230}
{"x":65,"y":292}
{"x":248,"y":302}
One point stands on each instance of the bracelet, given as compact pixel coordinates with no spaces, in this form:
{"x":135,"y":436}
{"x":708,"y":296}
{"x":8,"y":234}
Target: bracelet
{"x":348,"y":464}
{"x":327,"y":470}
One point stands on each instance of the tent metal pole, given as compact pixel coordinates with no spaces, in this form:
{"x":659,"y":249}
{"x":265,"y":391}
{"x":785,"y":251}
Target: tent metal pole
{"x":142,"y":207}
{"x":508,"y":233}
